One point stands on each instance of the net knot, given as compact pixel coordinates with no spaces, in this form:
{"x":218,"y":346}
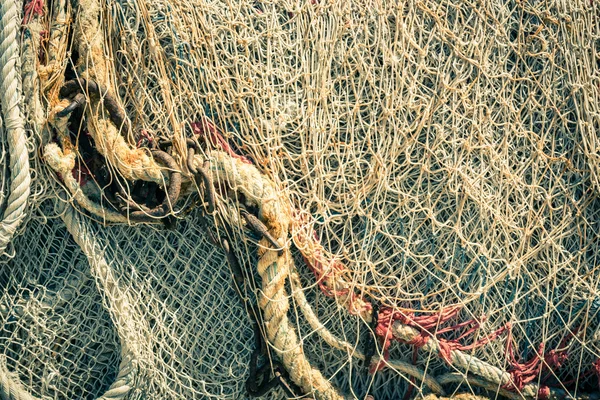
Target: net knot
{"x":523,"y":373}
{"x":420,"y":340}
{"x":543,"y":393}
{"x":556,"y":358}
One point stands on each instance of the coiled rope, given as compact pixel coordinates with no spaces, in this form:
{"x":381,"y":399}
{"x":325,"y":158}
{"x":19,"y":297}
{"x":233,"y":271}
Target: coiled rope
{"x":10,"y":98}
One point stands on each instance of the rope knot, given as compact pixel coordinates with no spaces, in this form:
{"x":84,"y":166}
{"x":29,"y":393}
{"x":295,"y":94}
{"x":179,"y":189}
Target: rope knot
{"x":420,"y":340}
{"x":524,"y":373}
{"x":556,"y":358}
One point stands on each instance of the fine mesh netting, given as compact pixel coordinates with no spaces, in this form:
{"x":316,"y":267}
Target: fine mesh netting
{"x":56,"y":334}
{"x":427,"y":171}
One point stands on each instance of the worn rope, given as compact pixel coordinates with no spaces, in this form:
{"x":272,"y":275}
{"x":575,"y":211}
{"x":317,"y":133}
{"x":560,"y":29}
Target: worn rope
{"x":10,"y":98}
{"x":465,"y":362}
{"x":455,"y":377}
{"x":131,"y":162}
{"x":273,"y":269}
{"x":343,"y":281}
{"x":62,"y":161}
{"x":274,"y":302}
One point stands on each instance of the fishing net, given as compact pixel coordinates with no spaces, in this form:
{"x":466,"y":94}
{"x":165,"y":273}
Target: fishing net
{"x":329,"y":199}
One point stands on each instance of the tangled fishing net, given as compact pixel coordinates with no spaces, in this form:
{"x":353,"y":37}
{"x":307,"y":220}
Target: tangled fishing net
{"x":328,"y":199}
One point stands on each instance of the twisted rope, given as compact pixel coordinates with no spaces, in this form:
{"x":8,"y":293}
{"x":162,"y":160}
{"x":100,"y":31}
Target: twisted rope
{"x":459,"y":378}
{"x":10,"y":98}
{"x":273,"y":269}
{"x":131,"y":162}
{"x":466,"y":362}
{"x":10,"y":387}
{"x":337,"y":343}
{"x":62,"y":161}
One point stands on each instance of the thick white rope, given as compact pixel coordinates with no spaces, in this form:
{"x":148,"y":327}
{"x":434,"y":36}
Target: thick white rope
{"x":10,"y":100}
{"x":455,"y":377}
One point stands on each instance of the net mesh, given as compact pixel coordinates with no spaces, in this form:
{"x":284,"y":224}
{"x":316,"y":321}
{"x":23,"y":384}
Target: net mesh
{"x":440,"y":157}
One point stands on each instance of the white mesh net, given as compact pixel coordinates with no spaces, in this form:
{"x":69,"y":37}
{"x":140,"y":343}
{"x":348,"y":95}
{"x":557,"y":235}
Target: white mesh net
{"x":428,"y":168}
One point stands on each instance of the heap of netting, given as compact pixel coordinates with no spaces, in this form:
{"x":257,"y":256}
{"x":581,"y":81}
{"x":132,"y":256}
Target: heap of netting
{"x":331,"y":199}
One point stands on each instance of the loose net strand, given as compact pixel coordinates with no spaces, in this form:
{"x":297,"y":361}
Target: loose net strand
{"x":424,"y":173}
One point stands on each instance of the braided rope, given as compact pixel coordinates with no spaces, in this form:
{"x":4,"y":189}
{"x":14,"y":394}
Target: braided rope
{"x":10,"y":98}
{"x":274,"y":270}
